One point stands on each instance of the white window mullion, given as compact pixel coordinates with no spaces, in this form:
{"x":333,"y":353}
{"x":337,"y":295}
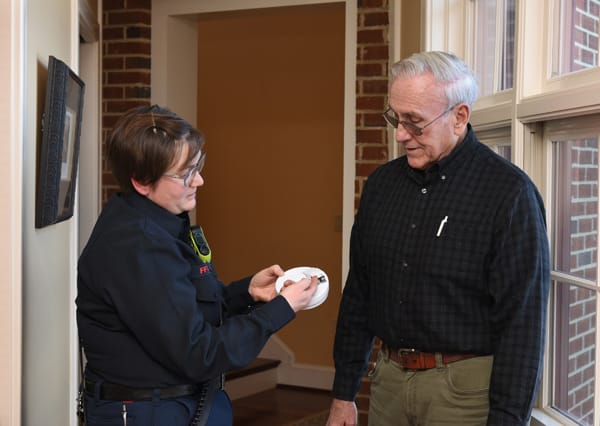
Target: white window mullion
{"x":498,"y":46}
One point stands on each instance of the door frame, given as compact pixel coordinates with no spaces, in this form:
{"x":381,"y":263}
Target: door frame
{"x":174,"y":75}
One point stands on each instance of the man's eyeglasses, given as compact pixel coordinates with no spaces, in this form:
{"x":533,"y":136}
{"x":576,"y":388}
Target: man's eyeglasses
{"x":190,"y":173}
{"x":392,"y":118}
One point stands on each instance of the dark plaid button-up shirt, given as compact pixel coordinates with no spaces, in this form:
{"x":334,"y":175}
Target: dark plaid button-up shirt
{"x":454,"y":259}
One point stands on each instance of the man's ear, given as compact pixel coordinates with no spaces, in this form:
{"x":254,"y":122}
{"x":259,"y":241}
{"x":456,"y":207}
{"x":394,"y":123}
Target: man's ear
{"x":142,"y":189}
{"x":462,"y":113}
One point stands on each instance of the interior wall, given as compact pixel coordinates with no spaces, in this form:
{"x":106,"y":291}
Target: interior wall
{"x":50,"y":253}
{"x":11,"y":123}
{"x":410,"y":33}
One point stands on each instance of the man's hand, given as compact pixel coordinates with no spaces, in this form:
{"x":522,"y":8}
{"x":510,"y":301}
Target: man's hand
{"x":342,"y":413}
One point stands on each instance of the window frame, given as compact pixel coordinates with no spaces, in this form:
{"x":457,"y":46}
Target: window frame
{"x":527,"y":108}
{"x":567,"y":128}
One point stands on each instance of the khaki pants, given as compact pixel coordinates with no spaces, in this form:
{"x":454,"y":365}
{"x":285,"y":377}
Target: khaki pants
{"x":456,"y":394}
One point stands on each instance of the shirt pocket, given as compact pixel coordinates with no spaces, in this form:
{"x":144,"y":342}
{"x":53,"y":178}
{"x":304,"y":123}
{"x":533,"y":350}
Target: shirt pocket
{"x":459,"y":251}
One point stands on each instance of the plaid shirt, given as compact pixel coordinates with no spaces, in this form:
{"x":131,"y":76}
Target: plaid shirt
{"x":453,"y":259}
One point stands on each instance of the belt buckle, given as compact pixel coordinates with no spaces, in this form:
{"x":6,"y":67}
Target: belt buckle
{"x":409,"y":358}
{"x":403,"y":353}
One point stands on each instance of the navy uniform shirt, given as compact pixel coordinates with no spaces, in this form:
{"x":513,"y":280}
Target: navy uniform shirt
{"x":149,"y":311}
{"x":454,"y":259}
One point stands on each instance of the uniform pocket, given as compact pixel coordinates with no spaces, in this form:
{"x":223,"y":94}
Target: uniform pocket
{"x":106,"y":413}
{"x":208,"y":287}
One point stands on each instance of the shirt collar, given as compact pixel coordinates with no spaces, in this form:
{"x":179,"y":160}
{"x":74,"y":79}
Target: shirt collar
{"x":448,"y":164}
{"x":458,"y":155}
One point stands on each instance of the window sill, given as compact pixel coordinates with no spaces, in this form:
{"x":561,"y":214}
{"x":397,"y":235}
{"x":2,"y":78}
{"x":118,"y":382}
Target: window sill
{"x":542,"y":418}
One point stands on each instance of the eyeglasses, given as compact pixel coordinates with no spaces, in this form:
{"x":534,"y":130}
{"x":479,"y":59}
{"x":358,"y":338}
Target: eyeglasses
{"x":190,"y":174}
{"x":392,"y":118}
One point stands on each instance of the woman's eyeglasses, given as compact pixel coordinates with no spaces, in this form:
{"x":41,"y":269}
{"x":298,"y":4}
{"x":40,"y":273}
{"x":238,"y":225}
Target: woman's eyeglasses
{"x":190,"y":173}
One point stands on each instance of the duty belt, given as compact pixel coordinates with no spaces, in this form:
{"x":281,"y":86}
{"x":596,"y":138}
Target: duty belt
{"x":114,"y":392}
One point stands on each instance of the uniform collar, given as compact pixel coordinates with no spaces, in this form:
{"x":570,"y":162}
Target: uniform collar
{"x":176,"y":225}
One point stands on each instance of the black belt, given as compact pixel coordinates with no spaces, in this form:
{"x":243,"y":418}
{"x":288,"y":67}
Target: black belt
{"x":114,"y":392}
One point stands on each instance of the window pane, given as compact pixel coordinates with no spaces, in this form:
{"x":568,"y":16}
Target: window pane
{"x":574,"y":353}
{"x":503,"y":151}
{"x":494,"y":44}
{"x":574,"y":252}
{"x":498,"y":139}
{"x":485,"y":41}
{"x":508,"y":46}
{"x":577,"y":48}
{"x":576,"y":207}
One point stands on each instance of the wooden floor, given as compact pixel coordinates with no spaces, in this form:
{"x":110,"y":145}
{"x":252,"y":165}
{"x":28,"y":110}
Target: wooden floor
{"x":279,"y":406}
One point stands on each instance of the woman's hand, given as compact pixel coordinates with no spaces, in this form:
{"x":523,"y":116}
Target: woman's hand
{"x":298,"y":294}
{"x":262,"y":284}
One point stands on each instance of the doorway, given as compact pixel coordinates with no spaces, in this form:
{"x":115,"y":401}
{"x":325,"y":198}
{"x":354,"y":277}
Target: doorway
{"x":271,"y":104}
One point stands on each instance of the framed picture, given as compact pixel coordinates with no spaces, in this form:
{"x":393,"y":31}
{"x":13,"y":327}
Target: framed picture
{"x":58,"y":153}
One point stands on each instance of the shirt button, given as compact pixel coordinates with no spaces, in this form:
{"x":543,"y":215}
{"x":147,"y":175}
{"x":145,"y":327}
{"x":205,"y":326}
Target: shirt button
{"x":443,"y":177}
{"x":423,"y":190}
{"x":404,"y":264}
{"x":413,"y":226}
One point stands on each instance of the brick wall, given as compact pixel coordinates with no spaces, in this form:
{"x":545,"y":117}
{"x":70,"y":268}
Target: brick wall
{"x":582,"y":263}
{"x":372,"y":65}
{"x":125,"y":67}
{"x":126,"y":84}
{"x":586,"y":16}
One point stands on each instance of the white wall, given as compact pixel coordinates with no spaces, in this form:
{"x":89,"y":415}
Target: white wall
{"x":49,"y":254}
{"x":11,"y":123}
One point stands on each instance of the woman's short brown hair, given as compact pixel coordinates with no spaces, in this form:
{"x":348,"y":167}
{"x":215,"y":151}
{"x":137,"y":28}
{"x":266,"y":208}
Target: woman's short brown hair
{"x":146,"y":141}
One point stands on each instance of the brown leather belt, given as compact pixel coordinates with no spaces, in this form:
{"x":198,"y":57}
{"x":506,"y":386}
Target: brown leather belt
{"x":412,"y":359}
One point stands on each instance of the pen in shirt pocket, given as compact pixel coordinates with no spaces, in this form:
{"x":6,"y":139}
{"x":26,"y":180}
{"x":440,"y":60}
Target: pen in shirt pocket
{"x":441,"y":227}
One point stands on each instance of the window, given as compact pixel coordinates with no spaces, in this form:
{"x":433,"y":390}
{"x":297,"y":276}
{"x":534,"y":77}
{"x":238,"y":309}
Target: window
{"x":540,"y":107}
{"x":574,"y":248}
{"x":576,"y":47}
{"x":494,"y":23}
{"x":498,"y":140}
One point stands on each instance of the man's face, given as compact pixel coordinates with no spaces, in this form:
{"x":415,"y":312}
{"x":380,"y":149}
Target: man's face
{"x":419,"y":100}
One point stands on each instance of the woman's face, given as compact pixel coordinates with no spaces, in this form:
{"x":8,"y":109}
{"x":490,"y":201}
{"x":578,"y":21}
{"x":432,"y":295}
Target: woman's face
{"x":170,"y":192}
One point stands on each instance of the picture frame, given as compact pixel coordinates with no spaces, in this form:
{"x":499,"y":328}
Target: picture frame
{"x":58,"y":154}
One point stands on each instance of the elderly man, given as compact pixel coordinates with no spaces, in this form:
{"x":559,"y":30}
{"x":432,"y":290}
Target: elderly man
{"x":449,"y":267}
